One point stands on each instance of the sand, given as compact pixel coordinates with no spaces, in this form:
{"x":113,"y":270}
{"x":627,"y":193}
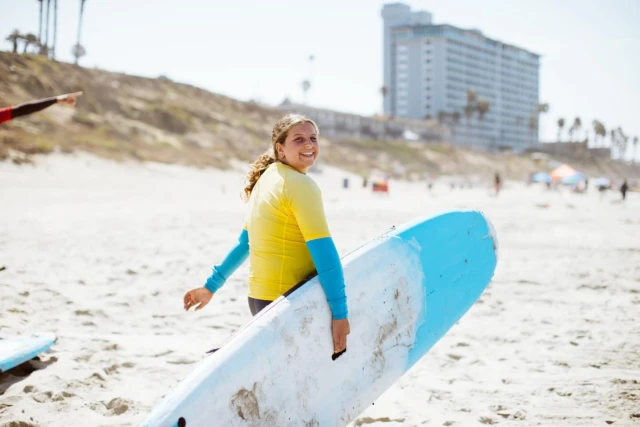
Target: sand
{"x":101,"y":253}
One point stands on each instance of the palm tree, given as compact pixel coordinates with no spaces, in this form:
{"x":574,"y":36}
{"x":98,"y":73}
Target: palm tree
{"x":455,"y":117}
{"x":596,"y":131}
{"x":78,"y":50}
{"x":612,"y":135}
{"x":483,"y":108}
{"x":623,"y":141}
{"x":560,"y":126}
{"x":40,"y":23}
{"x":384,"y":91}
{"x":46,"y":36}
{"x":13,"y":38}
{"x":577,"y":124}
{"x":55,"y":28}
{"x":542,"y":108}
{"x":635,"y":150}
{"x":29,"y":39}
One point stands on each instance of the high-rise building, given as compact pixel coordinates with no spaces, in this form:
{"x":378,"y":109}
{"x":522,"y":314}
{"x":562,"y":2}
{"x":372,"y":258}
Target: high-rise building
{"x":445,"y":72}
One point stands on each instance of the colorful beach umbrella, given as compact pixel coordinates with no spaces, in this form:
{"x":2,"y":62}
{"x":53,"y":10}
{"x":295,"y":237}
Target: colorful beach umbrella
{"x":541,"y":177}
{"x":562,"y":171}
{"x":573,"y":179}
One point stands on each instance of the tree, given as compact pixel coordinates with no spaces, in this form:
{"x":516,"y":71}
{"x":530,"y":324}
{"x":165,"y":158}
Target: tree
{"x":483,"y":108}
{"x":560,"y":126}
{"x":40,"y":22}
{"x":46,"y":36}
{"x":78,"y":52}
{"x":635,"y":149}
{"x":55,"y":28}
{"x":542,"y":108}
{"x":13,"y":38}
{"x":623,"y":141}
{"x":78,"y":47}
{"x":29,"y":39}
{"x":455,"y":117}
{"x":384,"y":91}
{"x":577,"y":123}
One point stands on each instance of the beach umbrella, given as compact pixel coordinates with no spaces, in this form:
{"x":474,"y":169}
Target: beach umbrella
{"x":541,"y":177}
{"x":573,"y":179}
{"x":562,"y":171}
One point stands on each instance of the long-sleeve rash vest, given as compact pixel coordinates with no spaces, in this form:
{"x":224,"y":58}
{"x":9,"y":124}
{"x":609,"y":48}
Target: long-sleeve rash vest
{"x":9,"y":113}
{"x":286,"y":237}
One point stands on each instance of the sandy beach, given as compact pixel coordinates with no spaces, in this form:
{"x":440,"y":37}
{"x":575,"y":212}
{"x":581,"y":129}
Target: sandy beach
{"x":101,"y":253}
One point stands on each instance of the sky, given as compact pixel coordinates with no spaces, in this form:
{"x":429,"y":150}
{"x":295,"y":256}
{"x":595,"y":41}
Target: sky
{"x":256,"y":49}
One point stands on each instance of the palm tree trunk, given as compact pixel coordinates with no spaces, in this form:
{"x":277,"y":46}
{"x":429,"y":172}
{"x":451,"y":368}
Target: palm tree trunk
{"x":46,"y":37}
{"x":40,"y":23}
{"x":55,"y":28}
{"x":80,"y":24}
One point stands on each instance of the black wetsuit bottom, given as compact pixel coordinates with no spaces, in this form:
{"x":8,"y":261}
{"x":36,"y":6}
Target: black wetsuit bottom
{"x":256,"y":305}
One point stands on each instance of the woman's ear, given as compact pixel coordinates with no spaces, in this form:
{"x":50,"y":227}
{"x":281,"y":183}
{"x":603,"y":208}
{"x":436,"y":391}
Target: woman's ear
{"x":279,"y":151}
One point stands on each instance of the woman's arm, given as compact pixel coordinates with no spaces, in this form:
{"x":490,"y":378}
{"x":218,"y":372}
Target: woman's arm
{"x":306,"y":204}
{"x":234,"y":259}
{"x":327,"y":261}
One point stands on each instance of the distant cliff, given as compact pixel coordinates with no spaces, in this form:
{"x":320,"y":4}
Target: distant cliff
{"x":128,"y":117}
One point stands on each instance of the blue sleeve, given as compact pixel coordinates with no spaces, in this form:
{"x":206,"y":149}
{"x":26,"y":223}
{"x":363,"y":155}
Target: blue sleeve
{"x":236,"y":256}
{"x":327,"y":261}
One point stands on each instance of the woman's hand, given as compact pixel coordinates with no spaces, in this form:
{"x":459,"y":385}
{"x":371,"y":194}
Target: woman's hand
{"x":199,"y":297}
{"x":339,"y":329}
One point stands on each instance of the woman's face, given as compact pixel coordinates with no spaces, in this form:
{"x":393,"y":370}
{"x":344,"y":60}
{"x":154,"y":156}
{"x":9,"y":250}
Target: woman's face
{"x":300,"y":149}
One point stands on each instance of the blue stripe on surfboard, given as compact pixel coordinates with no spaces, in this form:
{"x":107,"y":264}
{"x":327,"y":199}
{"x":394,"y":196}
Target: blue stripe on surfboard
{"x":453,"y":288}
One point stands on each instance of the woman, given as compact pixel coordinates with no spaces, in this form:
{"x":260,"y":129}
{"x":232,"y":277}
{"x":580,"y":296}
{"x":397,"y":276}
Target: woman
{"x":31,"y":107}
{"x":286,"y":235}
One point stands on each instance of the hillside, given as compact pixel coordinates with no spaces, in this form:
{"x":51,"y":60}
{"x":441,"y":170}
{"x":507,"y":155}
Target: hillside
{"x":127,"y":117}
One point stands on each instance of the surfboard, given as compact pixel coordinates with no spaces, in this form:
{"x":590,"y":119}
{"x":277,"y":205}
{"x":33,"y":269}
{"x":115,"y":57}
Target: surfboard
{"x":19,"y":349}
{"x":405,"y":289}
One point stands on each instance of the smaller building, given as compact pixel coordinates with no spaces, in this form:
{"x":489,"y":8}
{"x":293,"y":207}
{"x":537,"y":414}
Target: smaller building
{"x":334,"y":124}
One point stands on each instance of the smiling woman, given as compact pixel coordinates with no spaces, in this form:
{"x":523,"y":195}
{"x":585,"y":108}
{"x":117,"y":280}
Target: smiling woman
{"x":286,"y":236}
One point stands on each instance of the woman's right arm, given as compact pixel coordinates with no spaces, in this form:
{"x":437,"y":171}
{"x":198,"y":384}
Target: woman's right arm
{"x":234,"y":259}
{"x":200,"y":297}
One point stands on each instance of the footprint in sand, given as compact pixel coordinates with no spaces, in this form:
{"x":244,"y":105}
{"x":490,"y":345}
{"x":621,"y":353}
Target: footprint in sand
{"x":117,"y":406}
{"x":49,"y":396}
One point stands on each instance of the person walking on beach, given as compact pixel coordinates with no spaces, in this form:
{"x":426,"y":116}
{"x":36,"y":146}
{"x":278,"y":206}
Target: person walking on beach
{"x":497,"y":183}
{"x":285,"y":236}
{"x":623,"y":190}
{"x":9,"y":113}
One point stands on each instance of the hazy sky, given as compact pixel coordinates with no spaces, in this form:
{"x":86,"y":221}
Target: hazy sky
{"x":590,"y":64}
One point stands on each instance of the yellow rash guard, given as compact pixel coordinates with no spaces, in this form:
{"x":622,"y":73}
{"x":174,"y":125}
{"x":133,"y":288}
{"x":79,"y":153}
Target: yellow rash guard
{"x":285,"y":211}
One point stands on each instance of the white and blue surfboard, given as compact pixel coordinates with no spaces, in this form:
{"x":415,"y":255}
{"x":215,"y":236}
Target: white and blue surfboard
{"x":19,"y":349}
{"x":405,"y":289}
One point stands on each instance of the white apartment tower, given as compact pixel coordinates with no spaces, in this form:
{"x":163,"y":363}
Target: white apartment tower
{"x":429,"y":68}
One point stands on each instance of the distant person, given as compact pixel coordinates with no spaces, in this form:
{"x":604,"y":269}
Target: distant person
{"x":285,"y":236}
{"x":31,"y":107}
{"x":623,"y":190}
{"x":497,"y":183}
